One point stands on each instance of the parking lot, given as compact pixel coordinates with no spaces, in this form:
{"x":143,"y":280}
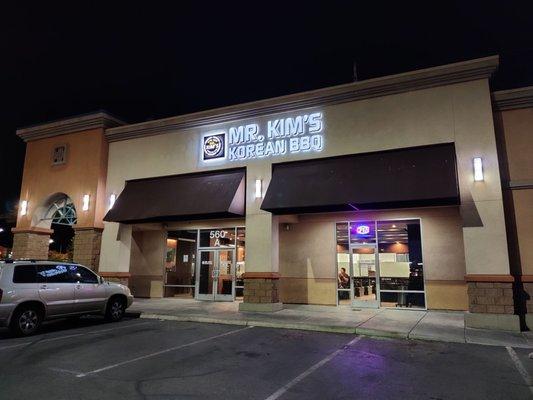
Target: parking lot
{"x":151,"y":359}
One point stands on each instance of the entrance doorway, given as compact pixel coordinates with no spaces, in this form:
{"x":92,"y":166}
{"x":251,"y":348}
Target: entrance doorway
{"x":207,"y":264}
{"x":365,"y":275}
{"x":216,"y":275}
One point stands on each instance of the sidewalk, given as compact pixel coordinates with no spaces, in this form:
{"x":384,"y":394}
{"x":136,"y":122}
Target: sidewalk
{"x":405,"y":324}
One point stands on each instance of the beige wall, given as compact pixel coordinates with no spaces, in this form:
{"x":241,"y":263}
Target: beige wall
{"x":85,"y":172}
{"x":515,"y":130}
{"x":308,"y":255}
{"x":147,"y":263}
{"x":307,"y":263}
{"x":459,"y":113}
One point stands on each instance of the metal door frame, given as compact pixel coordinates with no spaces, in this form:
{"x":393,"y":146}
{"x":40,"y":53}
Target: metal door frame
{"x":216,"y":267}
{"x":364,"y":303}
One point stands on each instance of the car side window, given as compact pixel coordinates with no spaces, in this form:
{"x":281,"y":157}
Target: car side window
{"x":55,"y":273}
{"x":83,"y":275}
{"x":25,"y":274}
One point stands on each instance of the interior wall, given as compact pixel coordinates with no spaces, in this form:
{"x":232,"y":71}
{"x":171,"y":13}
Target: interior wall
{"x":147,"y":263}
{"x":308,"y":256}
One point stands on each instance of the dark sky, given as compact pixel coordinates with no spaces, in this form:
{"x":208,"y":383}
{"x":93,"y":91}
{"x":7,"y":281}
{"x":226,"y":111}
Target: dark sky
{"x":150,"y":60}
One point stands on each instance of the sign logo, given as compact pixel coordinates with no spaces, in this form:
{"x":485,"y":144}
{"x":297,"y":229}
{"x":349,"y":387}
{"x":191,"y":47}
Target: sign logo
{"x":214,"y":146}
{"x":362,"y":230}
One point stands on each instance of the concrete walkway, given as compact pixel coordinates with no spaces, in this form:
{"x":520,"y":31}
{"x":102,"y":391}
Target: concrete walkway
{"x":406,"y":324}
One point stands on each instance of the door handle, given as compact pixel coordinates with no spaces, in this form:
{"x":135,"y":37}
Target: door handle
{"x":43,"y":287}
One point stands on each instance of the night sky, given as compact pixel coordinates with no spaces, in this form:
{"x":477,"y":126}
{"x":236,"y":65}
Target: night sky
{"x":150,"y":61}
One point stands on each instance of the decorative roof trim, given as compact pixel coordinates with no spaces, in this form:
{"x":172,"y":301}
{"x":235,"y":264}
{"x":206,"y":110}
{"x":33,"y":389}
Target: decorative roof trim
{"x":513,"y":98}
{"x":100,"y":119}
{"x":480,"y":68}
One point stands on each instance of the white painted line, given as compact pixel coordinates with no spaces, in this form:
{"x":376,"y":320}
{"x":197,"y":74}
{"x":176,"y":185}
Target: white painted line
{"x":280,"y":392}
{"x":157,"y":353}
{"x":15,"y":345}
{"x":520,"y":367}
{"x":64,"y":371}
{"x":98,"y":332}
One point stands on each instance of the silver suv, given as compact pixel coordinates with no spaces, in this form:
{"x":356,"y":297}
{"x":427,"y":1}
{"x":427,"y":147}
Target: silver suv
{"x":32,"y":291}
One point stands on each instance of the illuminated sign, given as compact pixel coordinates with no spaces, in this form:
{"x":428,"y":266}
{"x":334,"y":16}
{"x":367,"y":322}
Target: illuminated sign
{"x":290,"y":135}
{"x":362,"y":230}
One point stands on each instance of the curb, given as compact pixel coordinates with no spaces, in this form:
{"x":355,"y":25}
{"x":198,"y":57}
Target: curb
{"x":262,"y":324}
{"x":317,"y":328}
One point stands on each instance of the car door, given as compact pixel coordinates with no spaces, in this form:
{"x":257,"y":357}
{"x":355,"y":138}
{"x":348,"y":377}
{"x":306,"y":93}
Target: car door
{"x":56,"y":288}
{"x":90,"y":294}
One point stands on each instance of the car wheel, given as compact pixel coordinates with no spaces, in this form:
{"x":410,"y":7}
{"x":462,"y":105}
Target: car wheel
{"x":26,"y":321}
{"x":115,"y":309}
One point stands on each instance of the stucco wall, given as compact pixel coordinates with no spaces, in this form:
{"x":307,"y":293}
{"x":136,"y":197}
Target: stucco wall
{"x":85,"y":172}
{"x":515,"y":130}
{"x":308,"y":253}
{"x":147,"y":263}
{"x":459,"y":113}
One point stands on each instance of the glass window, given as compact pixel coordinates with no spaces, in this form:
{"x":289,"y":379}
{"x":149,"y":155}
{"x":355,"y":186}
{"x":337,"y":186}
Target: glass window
{"x":180,"y":263}
{"x":56,"y":273}
{"x":82,"y":274}
{"x":400,"y":263}
{"x":24,"y":274}
{"x":240,"y":262}
{"x":362,"y":232}
{"x":343,"y":264}
{"x":217,"y":237}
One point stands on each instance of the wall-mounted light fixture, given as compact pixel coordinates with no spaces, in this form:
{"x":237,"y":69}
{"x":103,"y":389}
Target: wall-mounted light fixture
{"x":1,"y":230}
{"x":478,"y":169}
{"x":24,"y":207}
{"x":85,"y":205}
{"x":112,"y":199}
{"x":258,"y":188}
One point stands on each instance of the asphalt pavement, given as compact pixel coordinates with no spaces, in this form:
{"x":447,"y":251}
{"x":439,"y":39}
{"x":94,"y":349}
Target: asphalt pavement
{"x":152,"y":359}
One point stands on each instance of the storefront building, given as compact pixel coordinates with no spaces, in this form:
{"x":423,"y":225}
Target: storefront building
{"x":380,"y":193}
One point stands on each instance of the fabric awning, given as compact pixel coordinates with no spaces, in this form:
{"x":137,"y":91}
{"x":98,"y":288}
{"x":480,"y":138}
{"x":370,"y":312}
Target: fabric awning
{"x":219,"y":194}
{"x":412,"y":177}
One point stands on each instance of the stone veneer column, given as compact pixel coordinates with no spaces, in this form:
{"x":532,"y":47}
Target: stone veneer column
{"x":261,"y":288}
{"x":31,"y":243}
{"x":87,"y":244}
{"x":491,"y":297}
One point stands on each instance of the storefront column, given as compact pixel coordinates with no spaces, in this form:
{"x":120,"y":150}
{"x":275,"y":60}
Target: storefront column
{"x":31,"y":243}
{"x":261,"y":279}
{"x":87,"y":243}
{"x":488,"y":275}
{"x":116,"y":253}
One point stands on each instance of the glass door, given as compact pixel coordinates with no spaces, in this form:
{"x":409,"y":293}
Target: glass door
{"x":365,"y":275}
{"x":206,"y":275}
{"x":225,"y":276}
{"x":216,"y":275}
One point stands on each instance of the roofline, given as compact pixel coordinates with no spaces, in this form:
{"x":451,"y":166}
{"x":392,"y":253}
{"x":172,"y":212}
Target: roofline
{"x":83,"y":122}
{"x":513,"y":98}
{"x":481,"y":68}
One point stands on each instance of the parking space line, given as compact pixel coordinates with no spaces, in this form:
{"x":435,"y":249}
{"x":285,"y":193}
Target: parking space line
{"x":15,"y":345}
{"x":97,"y":332}
{"x":157,"y":353}
{"x":520,"y":367}
{"x":73,"y":335}
{"x":280,"y":392}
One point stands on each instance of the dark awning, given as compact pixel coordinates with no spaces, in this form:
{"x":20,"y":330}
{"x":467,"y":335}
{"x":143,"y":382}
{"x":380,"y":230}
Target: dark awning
{"x":218,"y":194}
{"x":413,"y":177}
